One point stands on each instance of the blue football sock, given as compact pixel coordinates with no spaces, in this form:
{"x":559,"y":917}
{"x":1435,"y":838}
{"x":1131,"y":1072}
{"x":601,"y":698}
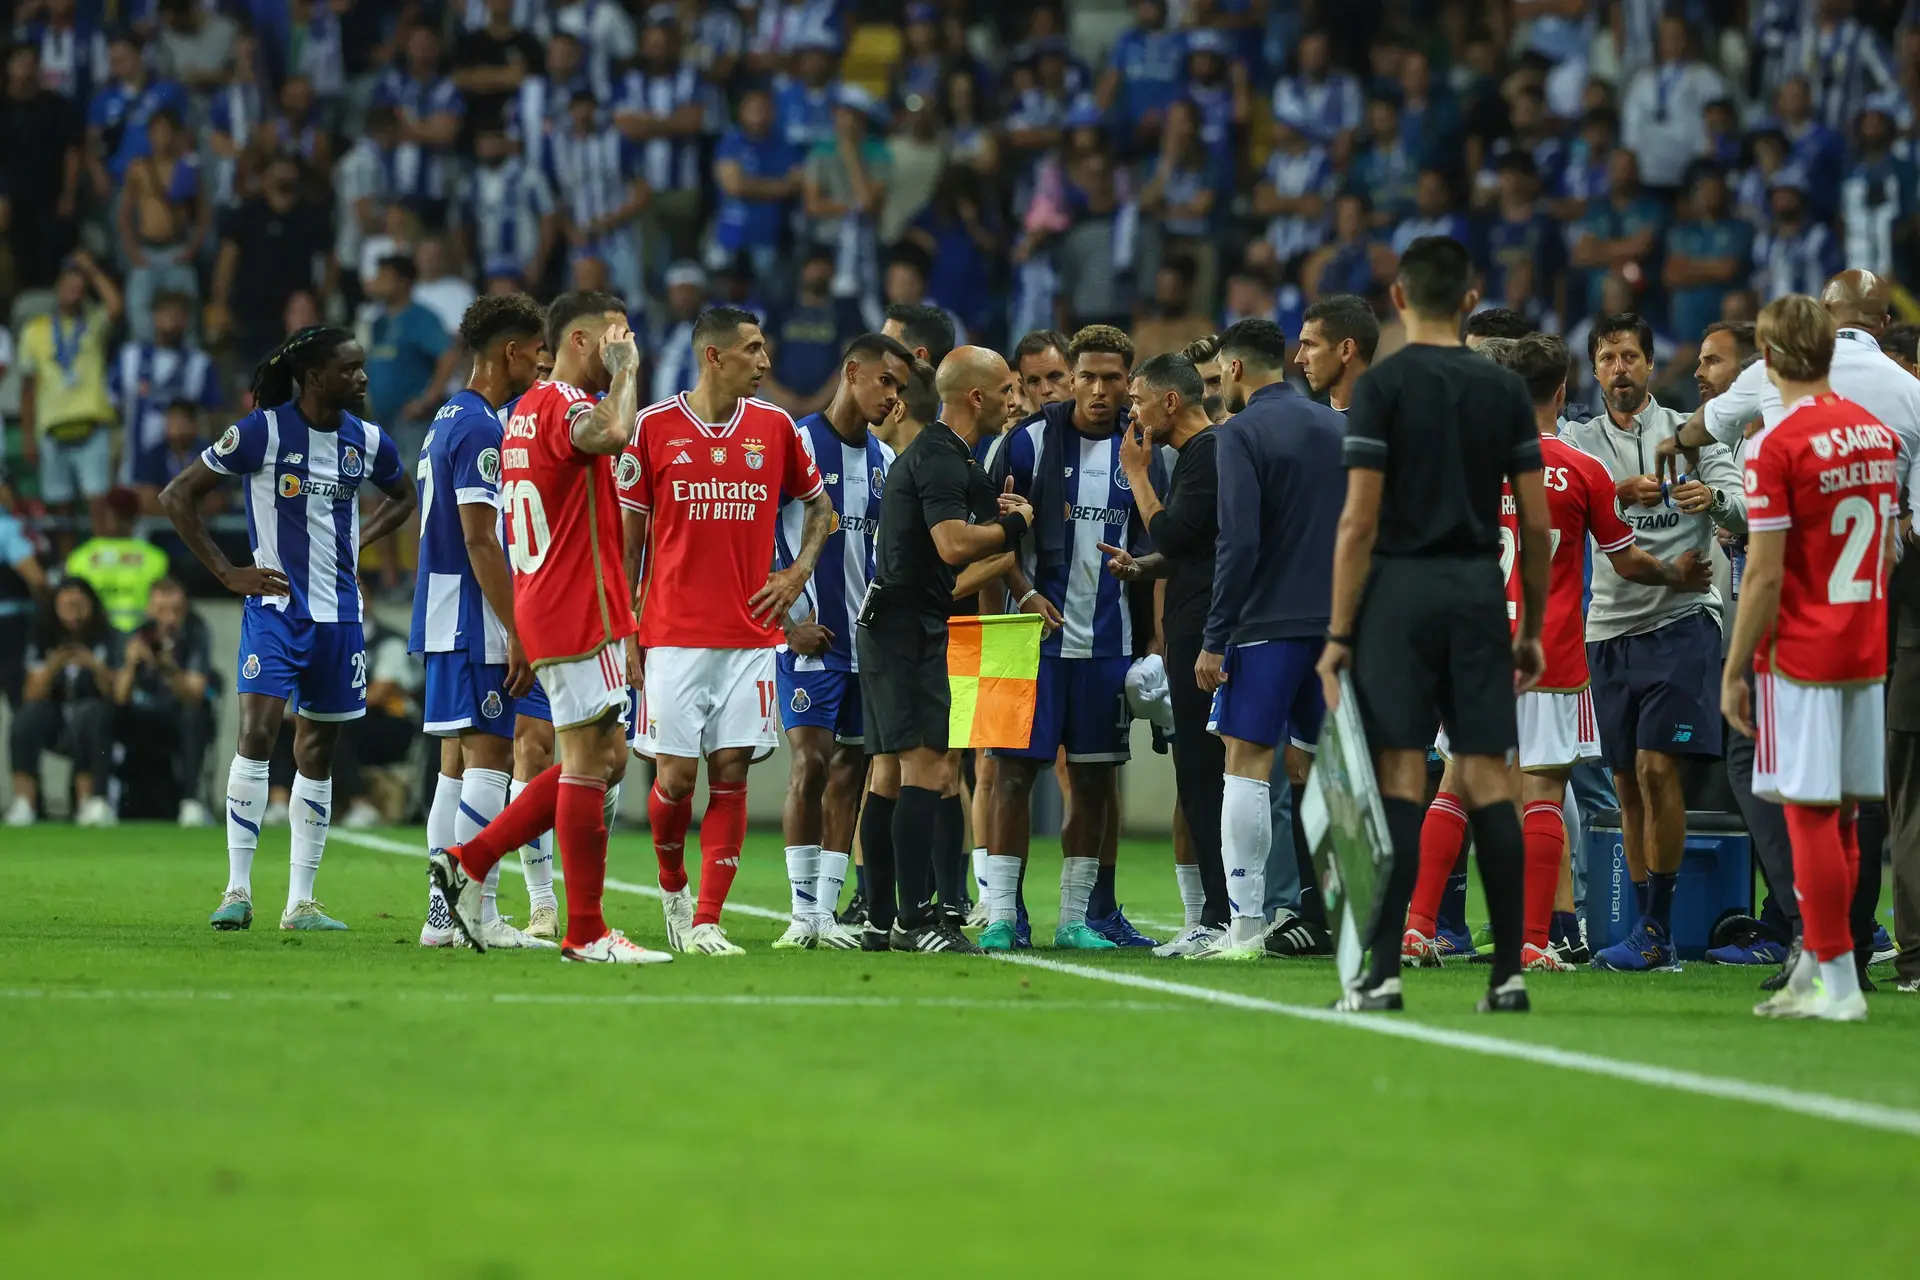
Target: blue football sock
{"x":1660,"y":899}
{"x":1452,"y":915}
{"x":1102,"y":904}
{"x":1640,"y":891}
{"x":1564,"y":928}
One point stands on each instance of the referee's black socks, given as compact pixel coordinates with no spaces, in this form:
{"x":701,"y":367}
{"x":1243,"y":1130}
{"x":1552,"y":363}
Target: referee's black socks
{"x":916,"y":821}
{"x":876,"y":853}
{"x":1403,"y":832}
{"x":950,"y":870}
{"x":1500,"y":848}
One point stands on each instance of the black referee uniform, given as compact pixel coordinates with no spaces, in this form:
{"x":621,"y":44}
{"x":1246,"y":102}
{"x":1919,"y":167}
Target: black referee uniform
{"x":901,"y":641}
{"x":1431,"y":640}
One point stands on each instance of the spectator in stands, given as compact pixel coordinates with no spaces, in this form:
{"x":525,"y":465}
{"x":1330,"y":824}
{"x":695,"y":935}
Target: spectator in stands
{"x":758,"y":173}
{"x":1144,"y":74}
{"x":1879,"y":202}
{"x":299,"y":128}
{"x":599,"y":192}
{"x":918,"y":73}
{"x":1798,"y":253}
{"x":845,"y":185}
{"x":149,"y":378}
{"x":436,"y":287}
{"x":1385,"y":173}
{"x":1587,"y":176}
{"x":23,"y":584}
{"x":1321,"y":101}
{"x":1354,"y":262}
{"x":166,"y":723}
{"x":1435,"y":213}
{"x":1856,"y":65}
{"x":1708,"y":254}
{"x":1430,"y":122}
{"x":605,"y":34}
{"x":1171,"y":319}
{"x":1623,"y":230}
{"x":1095,"y":255}
{"x":804,"y":100}
{"x":541,"y":106}
{"x":195,"y":45}
{"x":508,"y":217}
{"x":973,"y":138}
{"x":1181,"y":195}
{"x":311,"y":48}
{"x":491,"y":64}
{"x":73,"y":50}
{"x":271,"y":248}
{"x":430,"y":111}
{"x":119,"y":567}
{"x":66,"y":412}
{"x":1661,"y":112}
{"x":916,"y":157}
{"x":661,"y":110}
{"x":962,"y":237}
{"x":118,"y":115}
{"x":40,"y":167}
{"x":409,"y":358}
{"x":1815,"y":150}
{"x":808,"y":336}
{"x":674,"y":369}
{"x":180,"y":443}
{"x":165,"y":218}
{"x":76,"y":677}
{"x":235,"y":113}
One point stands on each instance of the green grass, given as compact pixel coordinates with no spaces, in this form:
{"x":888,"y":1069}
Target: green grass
{"x":175,"y":1101}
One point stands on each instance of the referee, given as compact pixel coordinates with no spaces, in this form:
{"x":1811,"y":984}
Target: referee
{"x":937,"y":515}
{"x":1433,"y":432}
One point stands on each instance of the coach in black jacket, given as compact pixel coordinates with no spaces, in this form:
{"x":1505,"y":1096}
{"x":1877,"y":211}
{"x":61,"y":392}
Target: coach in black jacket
{"x":1168,"y":403}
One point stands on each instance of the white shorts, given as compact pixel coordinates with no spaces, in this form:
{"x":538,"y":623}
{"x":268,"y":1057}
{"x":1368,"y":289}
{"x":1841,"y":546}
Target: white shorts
{"x":1557,"y":730}
{"x":1819,"y":742}
{"x":580,"y":692}
{"x":699,"y":701}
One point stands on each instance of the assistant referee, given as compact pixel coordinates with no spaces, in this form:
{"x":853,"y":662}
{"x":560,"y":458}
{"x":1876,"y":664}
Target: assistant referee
{"x":1433,"y":432}
{"x":939,"y":513}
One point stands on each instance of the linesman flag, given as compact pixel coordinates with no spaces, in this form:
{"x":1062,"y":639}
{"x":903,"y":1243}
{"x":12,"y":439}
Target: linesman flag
{"x":993,"y":669}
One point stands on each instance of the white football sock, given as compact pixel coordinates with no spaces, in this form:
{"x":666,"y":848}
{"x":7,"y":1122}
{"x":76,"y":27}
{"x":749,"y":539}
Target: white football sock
{"x":1003,"y":888}
{"x":831,"y":880}
{"x":311,"y":813}
{"x":440,"y":819}
{"x":1076,"y":887}
{"x":246,"y":802}
{"x":803,"y":871}
{"x":1840,"y":978}
{"x":980,"y":874}
{"x":483,"y":794}
{"x":1246,"y":831}
{"x":536,"y":860}
{"x":1193,"y":895}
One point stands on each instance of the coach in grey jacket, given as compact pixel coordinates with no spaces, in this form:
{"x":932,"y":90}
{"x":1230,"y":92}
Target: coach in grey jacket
{"x":1654,"y":653}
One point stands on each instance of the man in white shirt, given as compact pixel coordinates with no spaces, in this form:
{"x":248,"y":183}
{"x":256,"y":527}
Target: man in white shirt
{"x":438,"y":290}
{"x":1660,"y":116}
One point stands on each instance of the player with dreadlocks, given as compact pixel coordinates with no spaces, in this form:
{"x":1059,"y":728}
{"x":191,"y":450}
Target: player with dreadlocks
{"x":302,"y":455}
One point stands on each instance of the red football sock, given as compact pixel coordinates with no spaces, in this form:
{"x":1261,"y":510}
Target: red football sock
{"x":1850,"y":849}
{"x":722,"y":829}
{"x":1546,"y":835}
{"x":580,"y":824}
{"x":1820,"y":880}
{"x":1441,"y":837}
{"x":519,"y":823}
{"x":669,"y":819}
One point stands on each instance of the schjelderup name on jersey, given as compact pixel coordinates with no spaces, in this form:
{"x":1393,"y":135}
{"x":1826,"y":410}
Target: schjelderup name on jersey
{"x":1841,"y":441}
{"x":720,"y":499}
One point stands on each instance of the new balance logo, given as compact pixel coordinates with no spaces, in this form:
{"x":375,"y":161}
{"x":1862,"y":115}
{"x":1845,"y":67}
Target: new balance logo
{"x":294,"y":458}
{"x":681,"y":459}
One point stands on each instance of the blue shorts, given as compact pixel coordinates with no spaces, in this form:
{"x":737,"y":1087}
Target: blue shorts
{"x":533,"y":704}
{"x":1658,"y":691}
{"x":1272,"y":694}
{"x":1080,"y":703}
{"x":463,"y":694}
{"x":321,"y":667}
{"x":820,"y":700}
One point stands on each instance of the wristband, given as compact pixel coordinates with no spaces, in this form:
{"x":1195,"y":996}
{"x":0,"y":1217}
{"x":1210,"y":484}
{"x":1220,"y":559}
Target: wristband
{"x":1014,"y":525}
{"x":1345,"y":642}
{"x":1031,"y":593}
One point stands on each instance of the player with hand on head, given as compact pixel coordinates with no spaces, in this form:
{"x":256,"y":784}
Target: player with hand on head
{"x":463,"y":619}
{"x":817,"y":673}
{"x":1823,"y":510}
{"x":701,"y":483}
{"x":304,"y":453}
{"x":575,"y":616}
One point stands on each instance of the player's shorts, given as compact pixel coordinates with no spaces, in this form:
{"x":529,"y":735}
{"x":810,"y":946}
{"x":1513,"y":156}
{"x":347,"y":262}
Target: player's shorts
{"x":1431,"y":648}
{"x":1557,"y":731}
{"x":533,"y":703}
{"x":1658,"y":691}
{"x":1819,"y":742}
{"x":1272,"y":694}
{"x":819,"y":700}
{"x":580,"y":692}
{"x":1081,"y":704}
{"x":319,"y":667}
{"x":463,"y":694}
{"x":695,"y":702}
{"x":906,"y":701}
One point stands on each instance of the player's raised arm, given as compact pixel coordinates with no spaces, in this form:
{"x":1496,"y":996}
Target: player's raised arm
{"x":606,"y":428}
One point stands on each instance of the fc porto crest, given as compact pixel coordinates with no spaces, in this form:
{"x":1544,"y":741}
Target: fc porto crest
{"x":800,"y":702}
{"x":1120,"y":478}
{"x":490,"y":705}
{"x":719,"y":455}
{"x":251,"y":668}
{"x":349,"y":461}
{"x":876,"y":485}
{"x":756,"y":454}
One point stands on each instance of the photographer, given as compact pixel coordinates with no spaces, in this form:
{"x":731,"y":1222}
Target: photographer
{"x":167,"y":722}
{"x":74,"y":681}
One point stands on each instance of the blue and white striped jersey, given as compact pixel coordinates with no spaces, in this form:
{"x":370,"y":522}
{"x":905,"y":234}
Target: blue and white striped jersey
{"x":541,"y":107}
{"x":303,"y":511}
{"x":527,"y":14}
{"x":459,"y":466}
{"x":590,"y":173}
{"x":1321,"y":108}
{"x":144,"y":381}
{"x":1294,"y":174}
{"x":502,"y":207}
{"x":419,"y":172}
{"x":1096,"y":622}
{"x":668,"y":164}
{"x":855,"y":477}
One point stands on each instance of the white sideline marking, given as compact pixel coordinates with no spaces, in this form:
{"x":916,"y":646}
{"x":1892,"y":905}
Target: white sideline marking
{"x":1823,"y":1106}
{"x":567,"y":998}
{"x":512,"y":863}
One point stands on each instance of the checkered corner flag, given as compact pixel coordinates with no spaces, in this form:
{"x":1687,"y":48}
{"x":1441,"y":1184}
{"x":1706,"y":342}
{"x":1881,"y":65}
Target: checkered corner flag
{"x":1347,"y":831}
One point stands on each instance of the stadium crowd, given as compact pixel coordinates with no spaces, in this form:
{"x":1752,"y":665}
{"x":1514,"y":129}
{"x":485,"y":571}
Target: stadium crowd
{"x":189,"y":182}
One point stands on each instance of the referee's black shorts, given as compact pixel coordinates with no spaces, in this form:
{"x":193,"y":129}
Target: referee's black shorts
{"x":1432,"y":648}
{"x":904,"y":694}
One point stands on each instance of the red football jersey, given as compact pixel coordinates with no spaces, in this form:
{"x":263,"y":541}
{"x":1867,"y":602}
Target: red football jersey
{"x":713,"y":493}
{"x":1825,"y":475}
{"x":563,"y":531}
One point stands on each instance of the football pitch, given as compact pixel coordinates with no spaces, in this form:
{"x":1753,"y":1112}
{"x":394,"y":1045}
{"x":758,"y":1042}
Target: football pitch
{"x":174,"y":1101}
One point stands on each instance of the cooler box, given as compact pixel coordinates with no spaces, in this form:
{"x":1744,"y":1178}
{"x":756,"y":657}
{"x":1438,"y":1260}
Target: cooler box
{"x":1716,"y":876}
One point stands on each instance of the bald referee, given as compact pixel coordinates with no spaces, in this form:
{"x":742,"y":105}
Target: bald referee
{"x":1433,"y":433}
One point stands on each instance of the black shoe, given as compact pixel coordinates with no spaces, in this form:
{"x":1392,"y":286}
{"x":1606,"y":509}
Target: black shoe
{"x":1292,"y":937}
{"x":1867,"y":986}
{"x":855,"y":914}
{"x":874,"y":938}
{"x":939,"y":936}
{"x":1779,"y":979}
{"x":1384,"y":998}
{"x":1509,"y":997}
